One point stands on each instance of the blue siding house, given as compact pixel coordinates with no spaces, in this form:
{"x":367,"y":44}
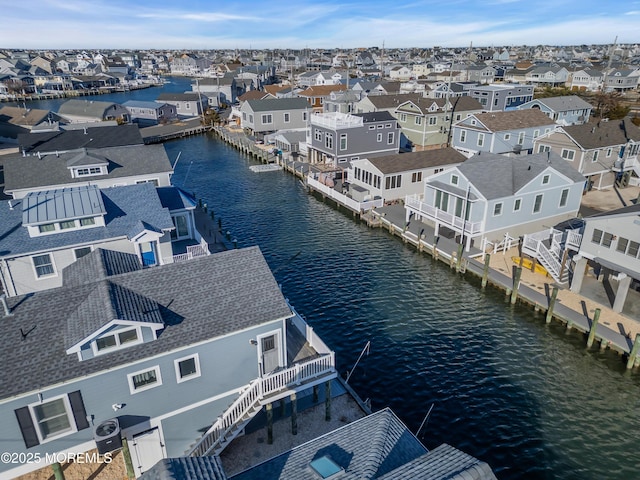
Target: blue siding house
{"x":154,"y":351}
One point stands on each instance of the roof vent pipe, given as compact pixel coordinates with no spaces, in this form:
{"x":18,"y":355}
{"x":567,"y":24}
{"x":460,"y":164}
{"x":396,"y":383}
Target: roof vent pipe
{"x":7,"y":310}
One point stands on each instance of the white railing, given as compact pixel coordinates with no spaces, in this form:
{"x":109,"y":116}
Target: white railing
{"x":336,"y":120}
{"x":507,"y":242}
{"x":448,"y":219}
{"x":343,"y":199}
{"x":533,"y":245}
{"x":574,"y":239}
{"x":250,"y":400}
{"x":193,"y":251}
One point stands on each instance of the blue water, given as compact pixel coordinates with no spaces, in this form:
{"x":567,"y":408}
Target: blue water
{"x":525,"y":397}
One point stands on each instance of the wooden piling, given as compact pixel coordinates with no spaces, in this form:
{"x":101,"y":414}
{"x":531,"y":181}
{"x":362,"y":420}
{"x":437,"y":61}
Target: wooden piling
{"x":294,"y":414}
{"x":634,"y":352}
{"x":315,"y":393}
{"x":485,"y":270}
{"x":327,"y":401}
{"x":459,"y":258}
{"x":552,"y":304}
{"x":592,"y":330}
{"x":269,"y":409}
{"x":516,"y":284}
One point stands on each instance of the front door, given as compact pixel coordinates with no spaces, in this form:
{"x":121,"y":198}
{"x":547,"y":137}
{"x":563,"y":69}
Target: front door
{"x":148,"y":450}
{"x":148,"y":254}
{"x":270,"y":353}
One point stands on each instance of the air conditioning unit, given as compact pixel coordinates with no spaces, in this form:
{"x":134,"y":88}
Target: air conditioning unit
{"x":107,"y":436}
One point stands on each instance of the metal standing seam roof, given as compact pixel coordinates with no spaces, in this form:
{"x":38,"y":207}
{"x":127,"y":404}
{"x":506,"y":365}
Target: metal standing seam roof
{"x":240,"y":293}
{"x":60,"y":205}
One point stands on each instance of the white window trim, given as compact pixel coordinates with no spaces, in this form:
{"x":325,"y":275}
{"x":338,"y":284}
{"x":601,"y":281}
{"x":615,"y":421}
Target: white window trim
{"x":515,"y":202}
{"x":546,"y":179}
{"x":67,"y":406}
{"x":495,"y":205}
{"x":176,"y":364}
{"x":118,"y":346}
{"x":53,"y":264}
{"x":130,"y":376}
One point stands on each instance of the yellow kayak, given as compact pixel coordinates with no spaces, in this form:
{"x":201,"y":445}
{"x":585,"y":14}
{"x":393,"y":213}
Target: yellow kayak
{"x":526,"y":263}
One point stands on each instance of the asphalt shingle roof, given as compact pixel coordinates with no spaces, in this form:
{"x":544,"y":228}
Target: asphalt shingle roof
{"x":85,"y":108}
{"x":99,"y":264}
{"x":565,"y":103}
{"x":403,"y":162}
{"x":186,"y":468}
{"x":513,"y":120}
{"x":89,"y":137}
{"x":272,"y":104}
{"x":603,"y":134}
{"x":240,"y":293}
{"x":52,"y":170}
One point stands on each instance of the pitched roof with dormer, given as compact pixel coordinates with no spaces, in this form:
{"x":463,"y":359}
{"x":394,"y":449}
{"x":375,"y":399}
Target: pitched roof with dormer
{"x":512,"y":120}
{"x":90,"y":137}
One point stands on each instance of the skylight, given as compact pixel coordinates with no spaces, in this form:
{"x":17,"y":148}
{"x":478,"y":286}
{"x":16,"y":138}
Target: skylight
{"x":325,"y":467}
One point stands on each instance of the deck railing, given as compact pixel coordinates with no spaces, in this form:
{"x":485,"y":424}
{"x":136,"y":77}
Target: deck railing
{"x":343,"y":199}
{"x":442,"y":217}
{"x":249,"y":401}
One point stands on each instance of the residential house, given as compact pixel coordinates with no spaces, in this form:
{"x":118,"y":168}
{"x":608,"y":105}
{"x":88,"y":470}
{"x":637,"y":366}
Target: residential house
{"x":621,"y":80}
{"x":400,"y":73}
{"x":270,"y":115}
{"x":603,"y":151}
{"x":380,"y":103}
{"x":187,"y":104}
{"x":152,"y":354}
{"x":498,"y":97}
{"x":588,"y":79}
{"x":609,"y":249}
{"x":491,"y":196}
{"x":445,"y":89}
{"x":219,"y":90}
{"x":60,"y":141}
{"x":393,"y":177}
{"x":89,"y":111}
{"x":547,"y":76}
{"x":343,"y":101}
{"x":189,"y":64}
{"x":16,"y":121}
{"x":150,"y":113}
{"x":482,"y":74}
{"x":316,"y":95}
{"x":103,"y":167}
{"x":337,"y":138}
{"x":565,"y":110}
{"x":426,"y":122}
{"x":500,"y":132}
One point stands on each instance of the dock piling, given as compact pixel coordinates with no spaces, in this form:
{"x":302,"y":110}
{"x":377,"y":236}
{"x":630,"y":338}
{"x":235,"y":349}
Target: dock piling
{"x":592,"y":330}
{"x":269,"y":409}
{"x":516,"y":284}
{"x":485,"y":270}
{"x":634,"y":352}
{"x":552,"y":304}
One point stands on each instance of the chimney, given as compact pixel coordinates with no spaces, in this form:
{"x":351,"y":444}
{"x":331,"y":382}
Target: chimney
{"x":7,"y":310}
{"x":10,"y":205}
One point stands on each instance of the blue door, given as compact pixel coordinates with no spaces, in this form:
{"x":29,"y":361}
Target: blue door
{"x":148,"y":254}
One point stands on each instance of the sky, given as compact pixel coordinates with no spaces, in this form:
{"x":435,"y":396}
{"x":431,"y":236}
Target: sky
{"x":282,"y":24}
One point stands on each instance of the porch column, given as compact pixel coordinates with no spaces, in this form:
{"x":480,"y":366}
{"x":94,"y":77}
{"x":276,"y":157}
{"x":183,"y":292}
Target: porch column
{"x":269,"y":409}
{"x":578,"y":273}
{"x":467,"y":243}
{"x":621,"y":293}
{"x":436,"y":230}
{"x":327,"y":401}
{"x":294,"y":414}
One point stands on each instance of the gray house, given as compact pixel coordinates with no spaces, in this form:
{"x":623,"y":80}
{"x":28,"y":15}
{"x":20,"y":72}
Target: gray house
{"x":567,"y":110}
{"x":45,"y":231}
{"x":87,"y":111}
{"x":150,"y":113}
{"x":337,"y":138}
{"x":150,"y":356}
{"x":500,"y":132}
{"x":490,"y":196}
{"x":187,"y":104}
{"x":497,"y":97}
{"x":270,"y":115}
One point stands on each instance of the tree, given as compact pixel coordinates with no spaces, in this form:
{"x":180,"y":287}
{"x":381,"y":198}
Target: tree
{"x":608,"y":105}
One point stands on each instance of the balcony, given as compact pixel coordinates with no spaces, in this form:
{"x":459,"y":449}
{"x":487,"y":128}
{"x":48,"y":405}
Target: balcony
{"x":336,"y":120}
{"x":441,"y":217}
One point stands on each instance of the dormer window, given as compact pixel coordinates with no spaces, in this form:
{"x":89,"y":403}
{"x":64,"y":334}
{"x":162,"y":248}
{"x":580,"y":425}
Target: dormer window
{"x":116,"y":339}
{"x":84,"y":172}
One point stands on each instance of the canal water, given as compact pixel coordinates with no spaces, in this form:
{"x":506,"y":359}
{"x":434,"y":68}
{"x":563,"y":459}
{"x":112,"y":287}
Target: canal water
{"x":525,"y":397}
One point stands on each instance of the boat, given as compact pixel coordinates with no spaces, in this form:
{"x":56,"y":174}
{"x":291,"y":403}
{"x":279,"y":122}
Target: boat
{"x":270,"y":167}
{"x":528,"y":264}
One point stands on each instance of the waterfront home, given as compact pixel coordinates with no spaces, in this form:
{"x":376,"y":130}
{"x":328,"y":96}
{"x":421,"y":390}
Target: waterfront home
{"x":338,"y":138}
{"x":621,"y":80}
{"x":45,"y":231}
{"x":87,"y":111}
{"x":343,"y":102}
{"x":16,"y":121}
{"x":587,"y":79}
{"x":259,"y":117}
{"x":381,"y":103}
{"x":70,"y":137}
{"x":219,"y":90}
{"x":500,"y":132}
{"x":603,"y":151}
{"x":151,"y":113}
{"x":400,"y":73}
{"x":497,"y":97}
{"x":102,"y":167}
{"x":426,"y":122}
{"x":316,"y":95}
{"x":565,"y":110}
{"x":552,"y":76}
{"x":189,"y":64}
{"x":393,"y":177}
{"x":187,"y":104}
{"x":490,"y":197}
{"x":155,"y":351}
{"x":609,"y":250}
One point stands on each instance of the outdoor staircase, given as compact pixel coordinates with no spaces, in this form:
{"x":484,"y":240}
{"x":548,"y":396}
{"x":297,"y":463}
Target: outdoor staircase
{"x":549,"y":247}
{"x":261,"y":391}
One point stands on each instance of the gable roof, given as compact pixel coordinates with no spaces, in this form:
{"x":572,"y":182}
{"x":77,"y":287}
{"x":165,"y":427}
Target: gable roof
{"x":91,"y":137}
{"x":186,"y":468}
{"x":603,"y":134}
{"x":254,"y":95}
{"x":404,"y":162}
{"x":49,"y":206}
{"x":99,"y":264}
{"x":322,"y":90}
{"x":560,"y":104}
{"x":241,"y":293}
{"x":370,"y":117}
{"x":272,"y":104}
{"x":513,"y":120}
{"x":85,"y":108}
{"x":459,"y":104}
{"x":181,"y":97}
{"x":392,"y":101}
{"x":52,"y":169}
{"x":24,"y":117}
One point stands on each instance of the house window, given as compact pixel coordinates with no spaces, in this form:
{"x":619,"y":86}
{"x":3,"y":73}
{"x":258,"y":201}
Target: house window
{"x":81,"y":172}
{"x":304,"y":116}
{"x":433,"y":120}
{"x":537,"y":204}
{"x":480,"y":139}
{"x":634,"y":247}
{"x":442,"y":200}
{"x":536,"y":133}
{"x":517,"y":204}
{"x":507,"y":136}
{"x":563,"y":197}
{"x":463,"y":136}
{"x":379,"y":137}
{"x":497,"y":209}
{"x":595,"y":156}
{"x":81,"y":252}
{"x":597,"y":236}
{"x":328,"y":141}
{"x":568,"y":154}
{"x":53,"y":418}
{"x":144,"y":380}
{"x":416,"y":177}
{"x":521,"y":138}
{"x":187,"y":368}
{"x":116,"y":339}
{"x":544,"y":148}
{"x":403,"y":117}
{"x":390,"y":138}
{"x":454,"y":180}
{"x":43,"y":265}
{"x":46,"y":228}
{"x":317,"y":134}
{"x":545,"y":179}
{"x":286,"y":118}
{"x":343,"y":141}
{"x":67,"y":224}
{"x":86,"y":222}
{"x":623,"y":243}
{"x":267,"y":119}
{"x":608,"y":152}
{"x":250,"y":118}
{"x":154,"y":181}
{"x":418,"y":120}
